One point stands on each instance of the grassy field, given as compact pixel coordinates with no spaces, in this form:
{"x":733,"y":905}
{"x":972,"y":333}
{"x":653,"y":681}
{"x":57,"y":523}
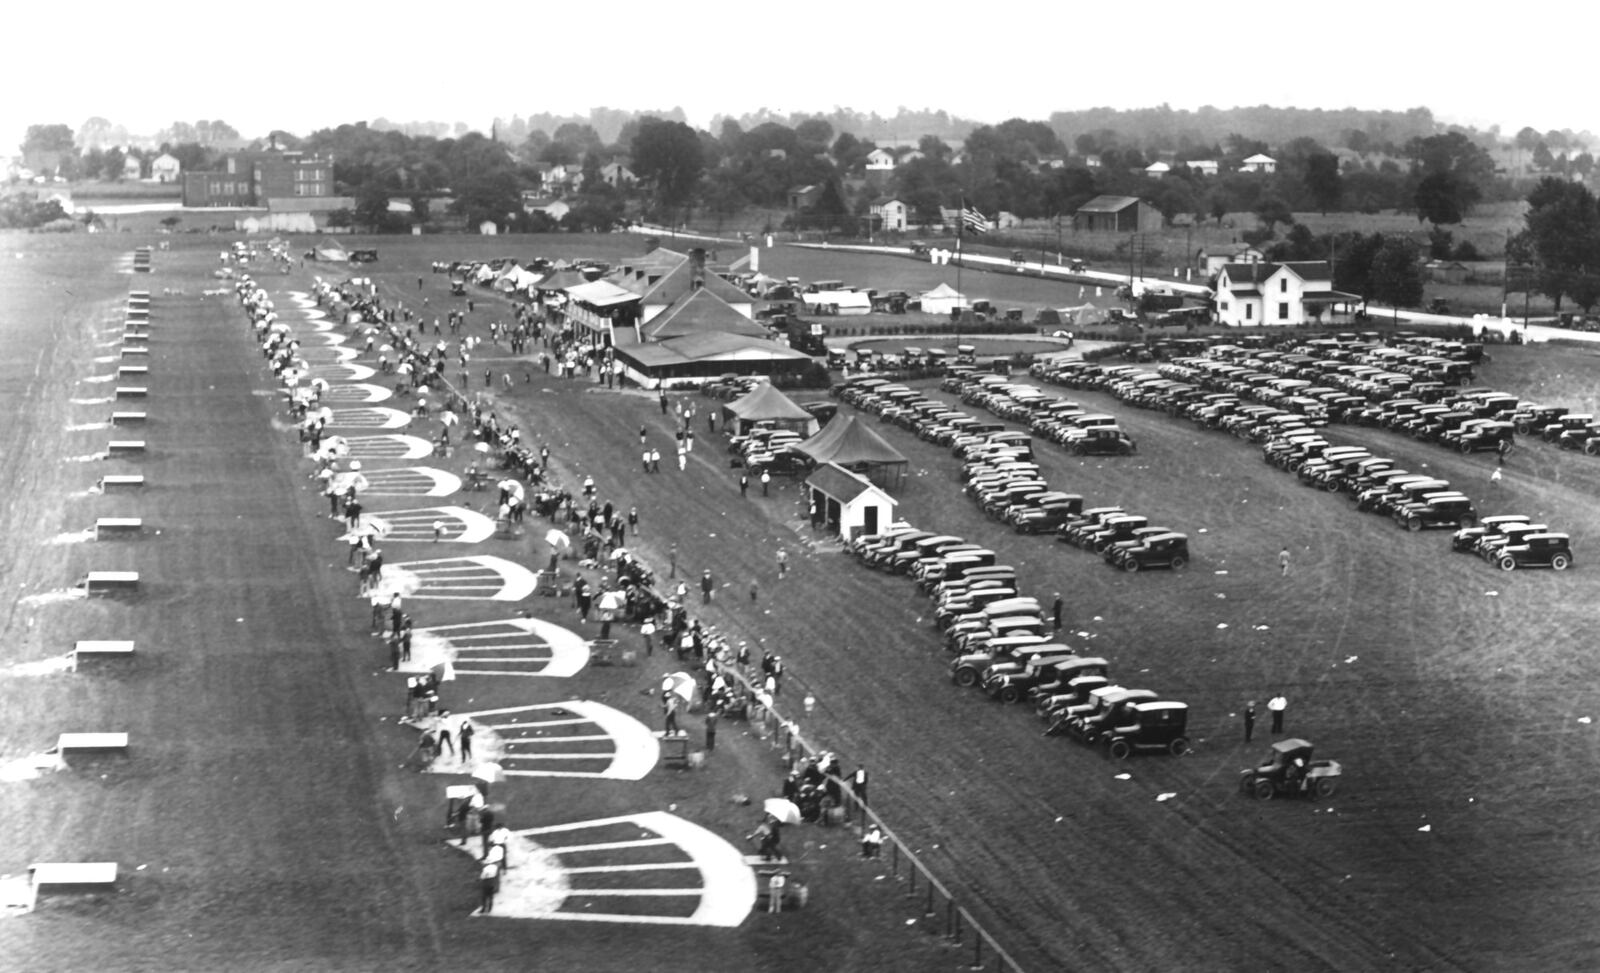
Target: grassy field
{"x":266,"y":799}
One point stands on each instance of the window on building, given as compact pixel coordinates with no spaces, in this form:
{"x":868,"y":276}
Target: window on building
{"x":1283,"y":285}
{"x":1249,"y":312}
{"x":1283,"y":311}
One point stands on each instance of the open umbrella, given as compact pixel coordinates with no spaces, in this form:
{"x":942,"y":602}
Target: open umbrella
{"x":443,"y":671}
{"x":449,"y":418}
{"x":489,"y":772}
{"x":679,"y":684}
{"x":618,"y":554}
{"x":782,"y":810}
{"x":557,"y":539}
{"x":404,"y":368}
{"x":612,"y":601}
{"x":481,"y":447}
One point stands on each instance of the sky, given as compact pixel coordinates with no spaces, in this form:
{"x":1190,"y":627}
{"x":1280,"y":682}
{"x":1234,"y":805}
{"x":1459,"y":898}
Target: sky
{"x":408,"y":61}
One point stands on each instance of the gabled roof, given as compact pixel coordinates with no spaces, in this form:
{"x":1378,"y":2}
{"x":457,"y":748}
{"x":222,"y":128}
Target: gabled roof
{"x":601,"y":293}
{"x":718,"y":346}
{"x":839,"y":483}
{"x":1243,"y":276}
{"x":701,"y":312}
{"x":1259,"y":158}
{"x":678,"y":282}
{"x":849,"y":442}
{"x":1108,"y":204}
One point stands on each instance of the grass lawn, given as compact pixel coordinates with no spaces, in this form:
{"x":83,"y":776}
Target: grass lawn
{"x":266,"y":797}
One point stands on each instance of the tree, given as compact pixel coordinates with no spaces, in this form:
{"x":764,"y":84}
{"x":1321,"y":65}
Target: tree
{"x":372,"y":206}
{"x":1323,"y":181}
{"x":1271,"y":211}
{"x":1438,"y":198}
{"x":111,"y":166}
{"x":48,"y":138}
{"x":1396,"y":277}
{"x":1441,"y":243}
{"x":668,"y":156}
{"x":419,"y":208}
{"x":1542,"y":159}
{"x":829,"y":211}
{"x":1561,"y":241}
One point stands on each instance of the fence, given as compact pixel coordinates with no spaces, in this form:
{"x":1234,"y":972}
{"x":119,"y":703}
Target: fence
{"x":951,"y":920}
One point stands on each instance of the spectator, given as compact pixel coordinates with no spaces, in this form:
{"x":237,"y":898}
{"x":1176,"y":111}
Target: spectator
{"x":871,"y":841}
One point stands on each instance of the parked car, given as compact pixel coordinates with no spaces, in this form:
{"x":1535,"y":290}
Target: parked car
{"x":1157,"y":725}
{"x":1453,"y":510}
{"x":1290,"y":770}
{"x":1165,"y":550}
{"x":1465,"y":540}
{"x":1537,"y":551}
{"x":1009,"y":682}
{"x":1102,"y":441}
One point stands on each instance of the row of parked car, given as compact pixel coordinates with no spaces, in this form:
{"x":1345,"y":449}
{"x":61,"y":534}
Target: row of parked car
{"x":1511,"y":541}
{"x":1000,"y":641}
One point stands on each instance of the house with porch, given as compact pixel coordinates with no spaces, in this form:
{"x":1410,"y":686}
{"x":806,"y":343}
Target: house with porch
{"x":1276,"y":294}
{"x":891,"y":214}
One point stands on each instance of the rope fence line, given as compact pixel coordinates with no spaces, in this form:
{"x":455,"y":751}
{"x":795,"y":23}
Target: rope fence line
{"x":956,"y":925}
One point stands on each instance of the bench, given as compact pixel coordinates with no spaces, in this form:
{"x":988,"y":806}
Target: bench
{"x":69,"y":876}
{"x":91,"y":743}
{"x":132,"y":391}
{"x":117,"y":526}
{"x":102,"y":648}
{"x":134,"y":335}
{"x":111,"y":480}
{"x":124,"y":446}
{"x":127,"y":418}
{"x":110,"y":582}
{"x":133,"y":371}
{"x":136,"y":351}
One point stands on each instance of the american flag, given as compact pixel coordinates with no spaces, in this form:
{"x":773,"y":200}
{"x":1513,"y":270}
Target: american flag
{"x":972,"y":219}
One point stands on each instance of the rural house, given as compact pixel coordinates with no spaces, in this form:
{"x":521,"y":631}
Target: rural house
{"x":1210,"y":260}
{"x":1117,"y":214}
{"x":1259,"y":163}
{"x":617,"y":175}
{"x":165,"y":168}
{"x":892,"y":214}
{"x":1262,"y":293}
{"x":1204,"y":167}
{"x":880,"y":161}
{"x":132,"y":168}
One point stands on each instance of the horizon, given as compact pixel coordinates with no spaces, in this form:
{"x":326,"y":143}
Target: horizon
{"x":636,"y":76}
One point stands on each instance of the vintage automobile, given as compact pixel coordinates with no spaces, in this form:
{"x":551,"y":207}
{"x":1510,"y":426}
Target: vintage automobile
{"x":968,"y":670}
{"x":1465,"y":540}
{"x":1094,"y":726}
{"x":1008,"y":682}
{"x":1102,"y":441}
{"x":1537,"y":551}
{"x":1567,"y":421}
{"x":1165,"y":550}
{"x":1159,"y":725}
{"x":1289,"y":770}
{"x":1062,"y":676}
{"x":1482,"y":435}
{"x":1454,"y":510}
{"x":1087,"y":521}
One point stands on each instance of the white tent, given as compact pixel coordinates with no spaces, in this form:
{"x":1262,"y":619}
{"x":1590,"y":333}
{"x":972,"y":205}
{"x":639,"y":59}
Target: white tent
{"x":942,"y":300}
{"x":517,"y":279}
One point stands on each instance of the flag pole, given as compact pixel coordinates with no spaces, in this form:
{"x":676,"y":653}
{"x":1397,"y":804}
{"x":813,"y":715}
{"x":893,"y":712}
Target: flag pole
{"x":961,"y":222}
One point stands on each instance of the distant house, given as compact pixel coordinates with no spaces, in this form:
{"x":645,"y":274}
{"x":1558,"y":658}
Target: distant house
{"x":893,"y":214}
{"x":911,"y":156}
{"x":1447,"y":271}
{"x":1091,"y":161}
{"x":1205,"y":167}
{"x":1259,"y":162}
{"x":880,"y":161}
{"x":1157,"y":170}
{"x":801,"y":197}
{"x":1210,"y":260}
{"x":617,"y":175}
{"x":1055,"y":163}
{"x":165,"y":168}
{"x":1117,"y":214}
{"x":132,"y":168}
{"x":1249,"y":294}
{"x":488,"y":228}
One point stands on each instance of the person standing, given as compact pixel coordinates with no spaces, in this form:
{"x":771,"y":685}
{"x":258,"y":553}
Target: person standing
{"x":669,"y":704}
{"x":755,"y":590}
{"x":1283,"y":561}
{"x":775,"y":887}
{"x":672,"y":559}
{"x":646,"y":457}
{"x":706,"y":586}
{"x":766,"y":479}
{"x":633,"y":521}
{"x":443,"y":733}
{"x":744,"y":485}
{"x":711,"y":729}
{"x":783,"y":563}
{"x":464,"y":735}
{"x":1276,"y":705}
{"x":655,"y":461}
{"x":1055,"y":613}
{"x":647,"y":631}
{"x":1249,"y":720}
{"x":858,"y":785}
{"x":663,"y":401}
{"x":488,"y":884}
{"x":871,"y":841}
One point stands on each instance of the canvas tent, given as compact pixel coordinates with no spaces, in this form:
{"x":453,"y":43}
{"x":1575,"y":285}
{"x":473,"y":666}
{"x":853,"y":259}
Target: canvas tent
{"x":942,"y":300}
{"x":767,"y":404}
{"x":851,"y":444}
{"x":516,"y":279}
